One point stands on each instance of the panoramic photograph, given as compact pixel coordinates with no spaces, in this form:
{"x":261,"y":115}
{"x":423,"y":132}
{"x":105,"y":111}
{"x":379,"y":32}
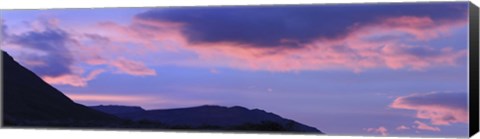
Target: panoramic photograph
{"x":379,"y":69}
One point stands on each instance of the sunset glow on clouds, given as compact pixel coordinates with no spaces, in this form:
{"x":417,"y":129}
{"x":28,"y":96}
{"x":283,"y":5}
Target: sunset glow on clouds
{"x":423,"y":126}
{"x":438,"y":107}
{"x":108,"y":98}
{"x":385,"y":42}
{"x":132,"y":67}
{"x":147,"y":102}
{"x":305,"y":62}
{"x":72,"y":79}
{"x":354,"y":51}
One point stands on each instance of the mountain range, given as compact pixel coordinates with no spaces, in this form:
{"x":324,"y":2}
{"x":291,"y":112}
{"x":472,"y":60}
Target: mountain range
{"x":28,"y":101}
{"x":209,"y":117}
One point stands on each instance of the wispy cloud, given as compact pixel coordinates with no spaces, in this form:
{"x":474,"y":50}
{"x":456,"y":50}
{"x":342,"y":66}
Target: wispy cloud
{"x":48,"y":49}
{"x":108,"y":98}
{"x":441,"y":108}
{"x":145,"y":101}
{"x":132,"y":67}
{"x":423,"y":126}
{"x":402,"y":127}
{"x":72,"y":79}
{"x":45,"y":51}
{"x":381,"y":130}
{"x":61,"y":56}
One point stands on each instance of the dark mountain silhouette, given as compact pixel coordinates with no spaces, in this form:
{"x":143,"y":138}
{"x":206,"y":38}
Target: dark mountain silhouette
{"x":211,"y":117}
{"x":117,"y":109}
{"x":28,"y":99}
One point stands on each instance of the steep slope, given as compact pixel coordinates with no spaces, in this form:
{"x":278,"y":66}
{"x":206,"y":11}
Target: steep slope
{"x":218,"y":117}
{"x":28,"y":99}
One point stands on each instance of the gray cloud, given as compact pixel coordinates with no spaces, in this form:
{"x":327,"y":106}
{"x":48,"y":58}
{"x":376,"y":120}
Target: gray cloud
{"x":54,"y":43}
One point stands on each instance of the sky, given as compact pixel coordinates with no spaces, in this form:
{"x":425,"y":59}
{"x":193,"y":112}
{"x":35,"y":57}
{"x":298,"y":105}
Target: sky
{"x":352,"y":69}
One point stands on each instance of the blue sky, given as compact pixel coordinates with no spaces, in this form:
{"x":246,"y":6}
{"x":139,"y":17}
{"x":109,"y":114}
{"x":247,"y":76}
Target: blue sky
{"x":344,"y":69}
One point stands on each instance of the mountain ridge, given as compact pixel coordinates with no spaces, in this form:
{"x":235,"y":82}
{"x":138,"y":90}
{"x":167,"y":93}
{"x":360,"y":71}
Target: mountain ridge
{"x":212,"y":116}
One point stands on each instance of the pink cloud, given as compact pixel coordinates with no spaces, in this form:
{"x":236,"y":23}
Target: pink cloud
{"x":33,"y":63}
{"x":72,"y":79}
{"x":85,"y":48}
{"x":422,"y":28}
{"x":440,"y":108}
{"x":144,"y":33}
{"x":148,"y":102}
{"x":104,"y":53}
{"x":423,"y":126}
{"x":132,"y":67}
{"x":109,"y":43}
{"x":354,"y":51}
{"x":381,"y":130}
{"x":402,"y":127}
{"x":396,"y":57}
{"x":122,"y":64}
{"x":108,"y":98}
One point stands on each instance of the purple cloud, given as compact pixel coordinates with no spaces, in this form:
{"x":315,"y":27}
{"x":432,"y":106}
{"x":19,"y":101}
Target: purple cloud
{"x":53,"y":58}
{"x":46,"y":52}
{"x":3,"y":31}
{"x":270,"y":26}
{"x":65,"y":56}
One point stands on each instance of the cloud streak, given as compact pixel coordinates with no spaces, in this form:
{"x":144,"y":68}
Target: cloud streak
{"x":440,"y":108}
{"x":402,"y":127}
{"x":109,"y":98}
{"x":148,"y":102}
{"x":381,"y":130}
{"x":132,"y":67}
{"x":72,"y":79}
{"x":423,"y":126}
